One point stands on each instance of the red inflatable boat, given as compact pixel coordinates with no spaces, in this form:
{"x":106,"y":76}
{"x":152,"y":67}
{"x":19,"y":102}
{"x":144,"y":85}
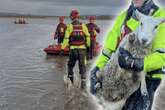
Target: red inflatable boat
{"x":55,"y":49}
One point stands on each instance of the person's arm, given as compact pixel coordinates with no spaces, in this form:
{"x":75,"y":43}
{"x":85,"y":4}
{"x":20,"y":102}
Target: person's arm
{"x":65,"y":27}
{"x":110,"y":42}
{"x":156,"y":60}
{"x":87,"y":35}
{"x":97,"y":29}
{"x":56,"y":32}
{"x":66,"y":37}
{"x":109,"y":47}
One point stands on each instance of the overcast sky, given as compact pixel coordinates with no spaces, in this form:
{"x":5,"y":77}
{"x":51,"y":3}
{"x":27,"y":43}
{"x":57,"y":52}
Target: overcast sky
{"x":63,"y":7}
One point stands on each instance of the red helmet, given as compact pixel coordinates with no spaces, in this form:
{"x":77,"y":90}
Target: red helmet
{"x":92,"y":18}
{"x":74,"y":14}
{"x":61,"y":19}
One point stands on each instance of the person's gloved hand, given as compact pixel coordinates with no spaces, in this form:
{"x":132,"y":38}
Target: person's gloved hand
{"x":88,"y":48}
{"x":127,"y":61}
{"x":61,"y":53}
{"x":95,"y":80}
{"x":56,"y":35}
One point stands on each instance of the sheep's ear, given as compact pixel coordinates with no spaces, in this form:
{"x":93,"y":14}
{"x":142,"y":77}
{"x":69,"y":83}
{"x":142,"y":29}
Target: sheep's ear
{"x":139,"y":15}
{"x":131,"y":38}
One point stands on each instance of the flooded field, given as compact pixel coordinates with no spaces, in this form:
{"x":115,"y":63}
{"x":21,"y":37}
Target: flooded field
{"x":30,"y":80}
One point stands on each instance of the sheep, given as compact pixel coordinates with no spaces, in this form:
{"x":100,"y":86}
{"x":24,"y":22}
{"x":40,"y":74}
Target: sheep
{"x":159,"y":97}
{"x":118,"y":84}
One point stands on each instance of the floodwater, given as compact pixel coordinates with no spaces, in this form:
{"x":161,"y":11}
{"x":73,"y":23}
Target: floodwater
{"x":30,"y":80}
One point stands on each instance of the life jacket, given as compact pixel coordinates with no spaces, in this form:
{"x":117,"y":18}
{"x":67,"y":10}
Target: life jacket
{"x":61,"y":29}
{"x":61,"y":32}
{"x":77,"y":36}
{"x":92,"y":30}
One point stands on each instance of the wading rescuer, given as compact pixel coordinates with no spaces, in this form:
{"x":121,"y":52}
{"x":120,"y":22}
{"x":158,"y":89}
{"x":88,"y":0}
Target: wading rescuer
{"x":78,"y":39}
{"x":93,"y":30}
{"x":60,"y":30}
{"x":152,"y":64}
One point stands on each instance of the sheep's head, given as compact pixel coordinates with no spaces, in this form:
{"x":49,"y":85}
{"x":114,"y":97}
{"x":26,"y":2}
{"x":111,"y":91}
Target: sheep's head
{"x":147,"y":28}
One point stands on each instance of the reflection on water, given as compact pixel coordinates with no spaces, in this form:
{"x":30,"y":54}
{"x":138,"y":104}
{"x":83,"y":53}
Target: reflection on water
{"x":30,"y":80}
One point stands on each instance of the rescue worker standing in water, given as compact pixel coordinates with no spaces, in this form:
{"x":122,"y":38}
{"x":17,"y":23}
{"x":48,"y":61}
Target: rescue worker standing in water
{"x":152,"y":64}
{"x":78,"y":39}
{"x":60,"y":30}
{"x":93,"y":30}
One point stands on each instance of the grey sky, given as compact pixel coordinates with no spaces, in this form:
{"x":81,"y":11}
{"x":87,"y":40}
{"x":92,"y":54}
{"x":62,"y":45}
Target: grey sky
{"x":63,"y":7}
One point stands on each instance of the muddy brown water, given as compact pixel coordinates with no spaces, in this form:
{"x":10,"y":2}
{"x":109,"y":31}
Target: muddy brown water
{"x":30,"y":80}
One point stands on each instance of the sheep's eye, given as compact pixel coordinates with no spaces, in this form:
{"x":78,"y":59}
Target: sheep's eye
{"x":156,"y":26}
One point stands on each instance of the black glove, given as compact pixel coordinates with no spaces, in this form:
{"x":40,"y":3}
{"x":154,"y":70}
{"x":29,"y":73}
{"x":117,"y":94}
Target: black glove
{"x":95,"y":81}
{"x":61,"y":53}
{"x":127,"y":61}
{"x":88,"y":49}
